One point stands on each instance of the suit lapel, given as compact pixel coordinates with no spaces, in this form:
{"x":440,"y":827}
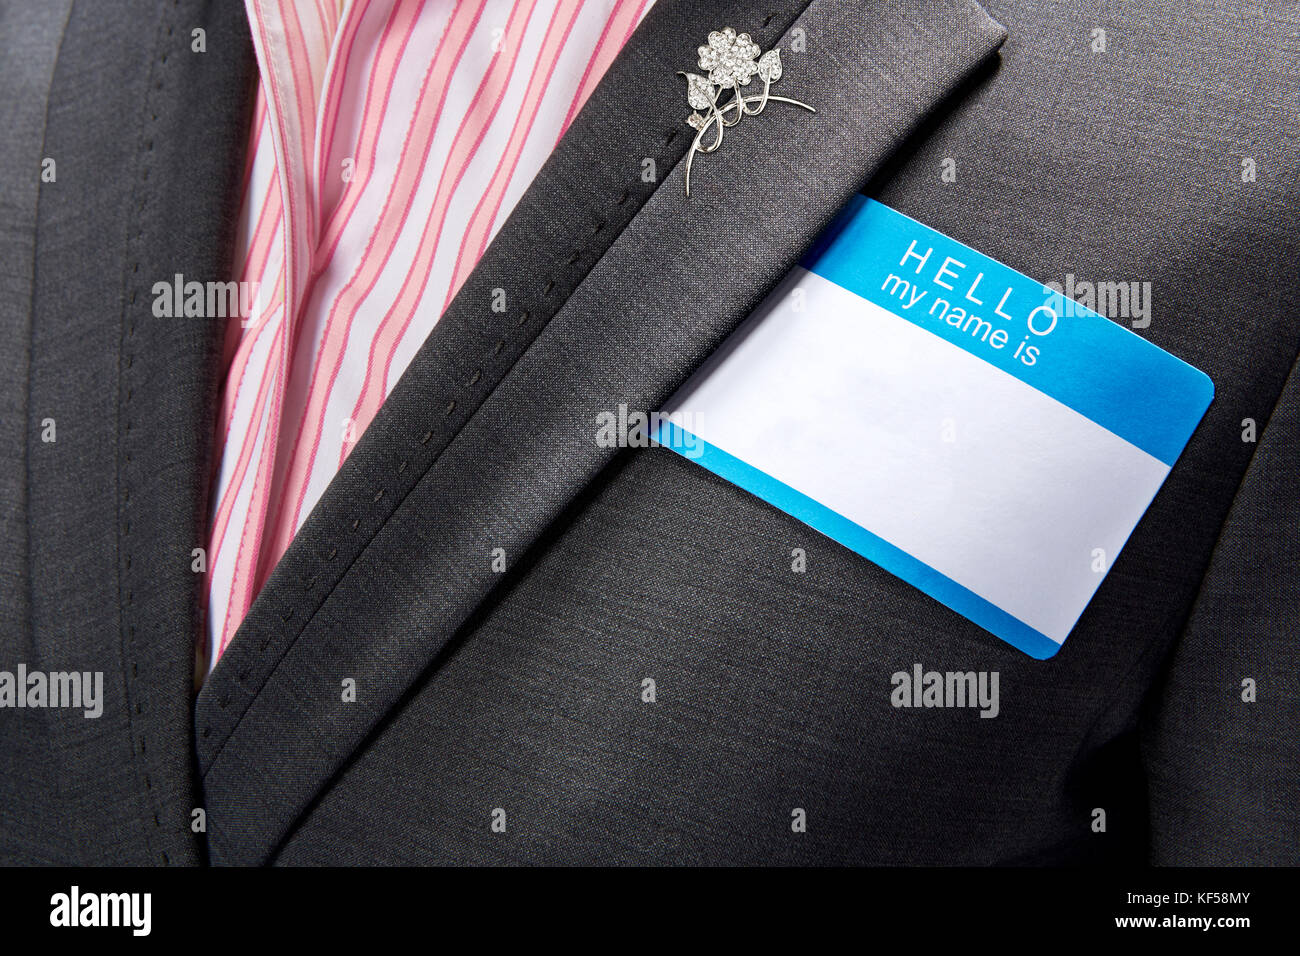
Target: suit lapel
{"x":491,"y":432}
{"x":146,"y":136}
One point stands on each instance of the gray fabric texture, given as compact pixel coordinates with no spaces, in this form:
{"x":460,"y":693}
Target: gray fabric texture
{"x":1223,"y":768}
{"x":521,"y":692}
{"x":652,"y":308}
{"x":29,"y":40}
{"x":148,"y":139}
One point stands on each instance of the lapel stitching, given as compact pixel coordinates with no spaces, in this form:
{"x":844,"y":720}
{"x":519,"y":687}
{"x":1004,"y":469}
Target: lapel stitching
{"x":609,"y":216}
{"x":260,"y":779}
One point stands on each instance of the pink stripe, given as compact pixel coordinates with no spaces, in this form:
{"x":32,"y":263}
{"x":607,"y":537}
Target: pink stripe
{"x":268,"y":220}
{"x":295,"y":230}
{"x":239,"y":365}
{"x":632,"y":25}
{"x":475,"y":123}
{"x":292,"y":223}
{"x":372,"y":116}
{"x":247,"y":203}
{"x":241,"y":590}
{"x":234,"y":382}
{"x":268,"y":80}
{"x":405,"y":186}
{"x":268,"y":223}
{"x":282,"y":178}
{"x":612,"y":28}
{"x":325,"y":17}
{"x":241,"y":467}
{"x":304,"y":91}
{"x":255,"y":141}
{"x":269,"y":211}
{"x":240,"y":596}
{"x":349,"y":299}
{"x":230,"y":395}
{"x":337,"y":81}
{"x":368,"y":94}
{"x":231,"y":338}
{"x":245,"y":574}
{"x":225,"y":416}
{"x":479,"y":227}
{"x":237,"y":606}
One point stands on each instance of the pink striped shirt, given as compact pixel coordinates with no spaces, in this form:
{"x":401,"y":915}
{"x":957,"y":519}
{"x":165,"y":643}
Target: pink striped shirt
{"x":390,"y":141}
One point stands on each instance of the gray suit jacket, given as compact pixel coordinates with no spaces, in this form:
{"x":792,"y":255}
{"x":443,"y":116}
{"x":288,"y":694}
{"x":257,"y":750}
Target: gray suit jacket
{"x":520,"y":691}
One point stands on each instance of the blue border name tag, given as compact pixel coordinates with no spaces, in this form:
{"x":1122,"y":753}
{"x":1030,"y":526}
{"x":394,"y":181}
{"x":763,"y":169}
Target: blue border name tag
{"x":963,"y":426}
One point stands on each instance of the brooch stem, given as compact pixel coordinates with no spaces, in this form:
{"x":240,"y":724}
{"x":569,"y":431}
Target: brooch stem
{"x":732,"y":60}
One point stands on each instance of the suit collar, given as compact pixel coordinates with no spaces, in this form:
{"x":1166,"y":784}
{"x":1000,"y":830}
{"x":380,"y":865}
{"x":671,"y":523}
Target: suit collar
{"x":618,"y":289}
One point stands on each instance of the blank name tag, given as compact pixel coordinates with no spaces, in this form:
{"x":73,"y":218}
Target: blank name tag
{"x":964,"y":427}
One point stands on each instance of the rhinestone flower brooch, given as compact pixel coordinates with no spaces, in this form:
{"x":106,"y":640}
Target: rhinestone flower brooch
{"x":731,"y":60}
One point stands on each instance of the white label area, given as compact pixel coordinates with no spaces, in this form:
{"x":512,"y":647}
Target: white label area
{"x":1000,"y":488}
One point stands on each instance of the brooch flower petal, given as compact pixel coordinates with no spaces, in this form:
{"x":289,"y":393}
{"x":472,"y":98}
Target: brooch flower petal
{"x":731,"y":59}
